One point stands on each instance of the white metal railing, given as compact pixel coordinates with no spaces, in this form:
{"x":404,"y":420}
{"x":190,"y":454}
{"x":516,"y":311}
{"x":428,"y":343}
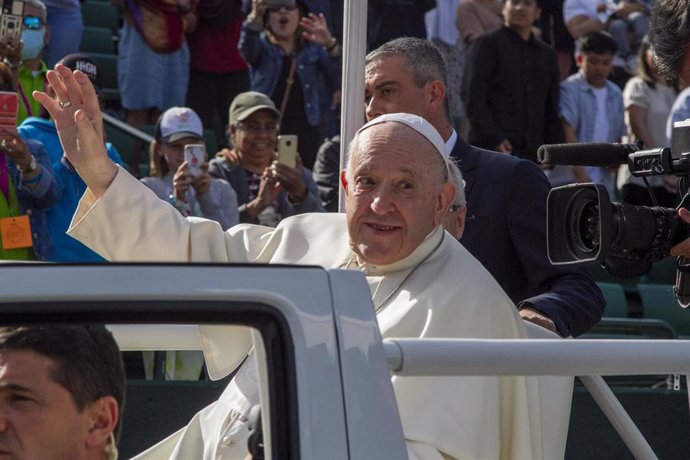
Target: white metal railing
{"x":537,"y":357}
{"x":587,"y":359}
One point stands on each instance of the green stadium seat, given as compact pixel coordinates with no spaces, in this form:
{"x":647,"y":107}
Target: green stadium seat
{"x":100,"y":14}
{"x":662,"y":272}
{"x":98,"y":40}
{"x":616,"y":303}
{"x":107,"y":74}
{"x":599,"y":274}
{"x":658,"y":302}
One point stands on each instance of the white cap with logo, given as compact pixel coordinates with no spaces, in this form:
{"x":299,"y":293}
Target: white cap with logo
{"x":177,"y":123}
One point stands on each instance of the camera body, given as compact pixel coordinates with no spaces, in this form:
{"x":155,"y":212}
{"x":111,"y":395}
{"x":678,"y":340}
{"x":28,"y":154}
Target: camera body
{"x":11,"y":22}
{"x":584,"y":226}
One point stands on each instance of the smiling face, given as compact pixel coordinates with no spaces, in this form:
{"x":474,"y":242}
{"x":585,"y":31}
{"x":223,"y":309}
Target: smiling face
{"x":38,"y":417}
{"x":395,"y":194}
{"x":256,"y":135}
{"x":283,"y":21}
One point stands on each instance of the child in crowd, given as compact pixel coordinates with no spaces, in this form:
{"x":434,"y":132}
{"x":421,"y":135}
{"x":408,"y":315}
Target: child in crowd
{"x":172,"y":175}
{"x":591,"y":109}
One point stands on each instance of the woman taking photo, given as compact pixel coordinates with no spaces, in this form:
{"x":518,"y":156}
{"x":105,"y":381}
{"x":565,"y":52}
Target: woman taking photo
{"x":27,"y":189}
{"x":267,"y":190}
{"x":190,"y":190}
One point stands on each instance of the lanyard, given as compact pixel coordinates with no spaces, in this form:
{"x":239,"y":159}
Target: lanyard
{"x":4,"y":177}
{"x":25,"y":101}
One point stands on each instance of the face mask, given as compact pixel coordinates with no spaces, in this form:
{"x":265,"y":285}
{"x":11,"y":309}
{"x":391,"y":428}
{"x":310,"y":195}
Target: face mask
{"x":33,"y":43}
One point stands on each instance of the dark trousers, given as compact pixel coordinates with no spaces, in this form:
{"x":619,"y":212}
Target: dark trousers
{"x":209,"y":94}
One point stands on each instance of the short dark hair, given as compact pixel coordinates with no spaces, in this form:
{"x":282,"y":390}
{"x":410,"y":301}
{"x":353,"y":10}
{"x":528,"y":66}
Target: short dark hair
{"x":669,"y":34}
{"x":540,"y":3}
{"x":87,"y":361}
{"x":597,"y":42}
{"x":424,"y":60}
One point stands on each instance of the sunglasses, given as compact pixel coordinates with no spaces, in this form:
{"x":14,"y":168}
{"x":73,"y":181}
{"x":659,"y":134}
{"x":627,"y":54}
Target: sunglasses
{"x":33,"y":22}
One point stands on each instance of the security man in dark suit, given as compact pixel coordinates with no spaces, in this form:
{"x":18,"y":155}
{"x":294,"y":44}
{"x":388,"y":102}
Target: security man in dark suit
{"x":505,"y":225}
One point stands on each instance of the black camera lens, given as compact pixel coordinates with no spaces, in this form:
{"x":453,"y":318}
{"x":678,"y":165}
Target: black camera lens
{"x":583,"y":226}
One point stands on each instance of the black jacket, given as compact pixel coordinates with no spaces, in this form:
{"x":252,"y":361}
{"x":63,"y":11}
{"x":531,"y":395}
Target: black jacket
{"x":510,"y":89}
{"x":506,"y":231}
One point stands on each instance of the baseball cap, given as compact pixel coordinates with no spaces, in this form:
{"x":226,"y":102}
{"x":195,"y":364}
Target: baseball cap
{"x":249,"y":102}
{"x":84,"y":64}
{"x":177,"y":123}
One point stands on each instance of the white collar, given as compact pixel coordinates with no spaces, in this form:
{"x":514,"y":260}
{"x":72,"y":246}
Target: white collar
{"x":450,"y":143}
{"x":422,"y":251}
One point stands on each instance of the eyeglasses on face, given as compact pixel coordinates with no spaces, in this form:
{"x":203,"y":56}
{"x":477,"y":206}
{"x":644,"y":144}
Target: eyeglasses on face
{"x":255,"y":128}
{"x":32,"y":22}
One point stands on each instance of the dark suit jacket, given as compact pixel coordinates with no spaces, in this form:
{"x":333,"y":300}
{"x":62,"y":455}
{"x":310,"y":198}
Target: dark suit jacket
{"x":506,"y":231}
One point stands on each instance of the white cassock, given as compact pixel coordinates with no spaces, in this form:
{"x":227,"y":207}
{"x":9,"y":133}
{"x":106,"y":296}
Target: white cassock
{"x":448,"y":294}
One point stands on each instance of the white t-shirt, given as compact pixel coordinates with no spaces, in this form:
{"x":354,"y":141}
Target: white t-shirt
{"x":658,"y":102}
{"x":601,"y":121}
{"x":600,"y":174}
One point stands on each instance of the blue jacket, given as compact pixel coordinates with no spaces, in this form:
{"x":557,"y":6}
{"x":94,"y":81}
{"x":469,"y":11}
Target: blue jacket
{"x":313,"y":63}
{"x":67,"y":249}
{"x":34,"y":202}
{"x":505,"y":229}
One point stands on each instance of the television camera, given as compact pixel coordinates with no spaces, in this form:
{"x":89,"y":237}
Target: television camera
{"x":585,"y":226}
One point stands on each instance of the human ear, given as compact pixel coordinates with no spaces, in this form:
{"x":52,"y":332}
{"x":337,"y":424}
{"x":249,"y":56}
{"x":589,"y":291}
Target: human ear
{"x":343,"y":179}
{"x":437,"y":93}
{"x":46,"y":36}
{"x":462,"y":213}
{"x":103,"y":414}
{"x":445,"y":198}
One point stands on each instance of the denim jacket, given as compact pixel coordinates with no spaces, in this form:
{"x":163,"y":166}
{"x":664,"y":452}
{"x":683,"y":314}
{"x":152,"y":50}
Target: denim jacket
{"x":313,"y":62}
{"x":34,"y":202}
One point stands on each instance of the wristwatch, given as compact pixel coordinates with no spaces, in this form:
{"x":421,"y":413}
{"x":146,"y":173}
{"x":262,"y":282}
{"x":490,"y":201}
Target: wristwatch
{"x":33,"y":164}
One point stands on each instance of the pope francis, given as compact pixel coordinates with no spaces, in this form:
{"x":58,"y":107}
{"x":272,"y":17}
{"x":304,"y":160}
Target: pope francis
{"x":423,"y":282}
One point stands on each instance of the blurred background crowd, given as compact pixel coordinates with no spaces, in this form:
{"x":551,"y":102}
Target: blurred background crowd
{"x":234,"y":75}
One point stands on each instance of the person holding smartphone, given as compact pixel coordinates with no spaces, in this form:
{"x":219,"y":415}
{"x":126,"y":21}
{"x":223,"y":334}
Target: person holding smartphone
{"x":267,"y":190}
{"x":27,"y":187}
{"x":184,"y":184}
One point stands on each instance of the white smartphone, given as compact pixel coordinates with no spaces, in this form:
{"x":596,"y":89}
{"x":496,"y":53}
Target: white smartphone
{"x":194,"y":156}
{"x":287,"y":149}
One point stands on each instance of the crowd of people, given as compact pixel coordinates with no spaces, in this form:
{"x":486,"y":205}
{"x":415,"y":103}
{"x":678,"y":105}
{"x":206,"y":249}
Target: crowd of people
{"x":518,"y":75}
{"x":485,"y":86}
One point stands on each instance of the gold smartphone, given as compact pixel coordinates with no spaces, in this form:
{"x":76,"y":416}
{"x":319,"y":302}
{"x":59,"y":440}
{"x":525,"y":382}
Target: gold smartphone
{"x":287,"y":149}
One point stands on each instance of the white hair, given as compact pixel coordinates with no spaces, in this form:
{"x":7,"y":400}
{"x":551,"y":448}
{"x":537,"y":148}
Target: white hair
{"x":456,"y":178}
